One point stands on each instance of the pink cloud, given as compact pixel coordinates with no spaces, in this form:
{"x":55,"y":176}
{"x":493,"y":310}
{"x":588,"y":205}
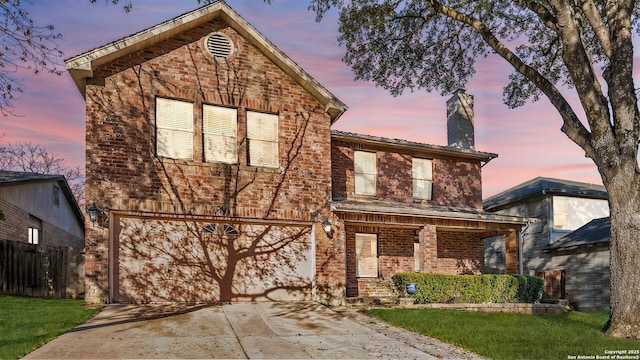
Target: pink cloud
{"x":528,"y":139}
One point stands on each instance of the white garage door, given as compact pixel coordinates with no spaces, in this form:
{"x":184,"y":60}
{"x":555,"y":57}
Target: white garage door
{"x":159,"y":260}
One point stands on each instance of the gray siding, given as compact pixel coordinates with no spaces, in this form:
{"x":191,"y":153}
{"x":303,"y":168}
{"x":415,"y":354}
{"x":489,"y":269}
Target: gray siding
{"x":541,"y":233}
{"x":587,"y":275}
{"x":60,"y":225}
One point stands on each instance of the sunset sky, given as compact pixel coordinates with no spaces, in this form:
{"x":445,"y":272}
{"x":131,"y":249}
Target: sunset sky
{"x":528,"y":140}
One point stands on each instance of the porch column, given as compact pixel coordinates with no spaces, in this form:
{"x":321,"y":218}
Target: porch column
{"x":511,"y":252}
{"x":428,"y":249}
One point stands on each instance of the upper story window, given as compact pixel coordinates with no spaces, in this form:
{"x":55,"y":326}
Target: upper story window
{"x":422,"y":178}
{"x":175,"y":133}
{"x":56,"y":195}
{"x":364,"y":164}
{"x":262,"y":139}
{"x":560,"y":213}
{"x":174,"y":129}
{"x":220,"y":131}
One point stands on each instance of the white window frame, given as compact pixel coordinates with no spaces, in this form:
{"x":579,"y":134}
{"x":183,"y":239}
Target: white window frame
{"x":561,"y":213}
{"x":262,"y":139}
{"x":220,"y":134}
{"x":366,"y":255}
{"x":365,"y":172}
{"x":34,"y":230}
{"x":174,"y":129}
{"x":422,"y":174}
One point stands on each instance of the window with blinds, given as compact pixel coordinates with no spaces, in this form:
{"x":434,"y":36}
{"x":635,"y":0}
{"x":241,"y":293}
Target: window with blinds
{"x":366,"y":255}
{"x":262,"y":139}
{"x":364,"y":164}
{"x":174,"y":129}
{"x":220,"y":131}
{"x":422,"y":173}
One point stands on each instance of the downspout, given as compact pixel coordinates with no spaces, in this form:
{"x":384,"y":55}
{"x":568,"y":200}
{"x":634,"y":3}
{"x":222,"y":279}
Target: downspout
{"x":520,"y":248}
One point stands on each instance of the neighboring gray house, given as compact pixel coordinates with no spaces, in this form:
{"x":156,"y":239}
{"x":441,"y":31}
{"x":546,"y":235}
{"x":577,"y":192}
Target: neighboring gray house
{"x":559,"y":206}
{"x":39,"y":209}
{"x":583,"y":257}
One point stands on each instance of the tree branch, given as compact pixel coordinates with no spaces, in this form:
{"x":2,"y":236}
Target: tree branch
{"x":548,"y":19}
{"x":582,"y":73}
{"x":599,"y":28}
{"x":572,"y":126}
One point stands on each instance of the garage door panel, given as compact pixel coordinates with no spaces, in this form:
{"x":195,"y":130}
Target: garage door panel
{"x":172,"y":260}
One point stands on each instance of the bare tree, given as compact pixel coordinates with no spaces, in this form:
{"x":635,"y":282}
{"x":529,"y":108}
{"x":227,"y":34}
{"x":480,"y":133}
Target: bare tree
{"x":25,"y":45}
{"x":36,"y":159}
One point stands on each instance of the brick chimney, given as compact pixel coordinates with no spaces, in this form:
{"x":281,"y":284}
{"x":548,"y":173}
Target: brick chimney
{"x":460,"y":133}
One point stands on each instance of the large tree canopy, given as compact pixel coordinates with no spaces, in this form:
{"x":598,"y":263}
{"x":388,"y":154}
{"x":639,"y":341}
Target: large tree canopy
{"x":584,"y":47}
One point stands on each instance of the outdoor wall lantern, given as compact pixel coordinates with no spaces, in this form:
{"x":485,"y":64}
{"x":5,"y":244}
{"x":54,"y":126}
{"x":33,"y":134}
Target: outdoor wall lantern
{"x":97,"y":215}
{"x":326,"y":226}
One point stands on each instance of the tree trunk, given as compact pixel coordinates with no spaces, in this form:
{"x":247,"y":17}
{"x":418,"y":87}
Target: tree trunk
{"x":624,"y":203}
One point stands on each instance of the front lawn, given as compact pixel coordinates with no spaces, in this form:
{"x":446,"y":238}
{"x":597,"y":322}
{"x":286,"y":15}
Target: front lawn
{"x":27,"y":323}
{"x":515,"y":336}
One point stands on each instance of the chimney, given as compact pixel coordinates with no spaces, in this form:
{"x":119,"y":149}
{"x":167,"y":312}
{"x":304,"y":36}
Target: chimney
{"x":460,"y":131}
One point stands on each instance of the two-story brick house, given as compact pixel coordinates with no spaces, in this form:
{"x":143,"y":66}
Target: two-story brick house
{"x":203,"y":147}
{"x":211,"y":154}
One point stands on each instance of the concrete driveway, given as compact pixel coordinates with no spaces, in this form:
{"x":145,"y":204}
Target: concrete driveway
{"x":240,"y":331}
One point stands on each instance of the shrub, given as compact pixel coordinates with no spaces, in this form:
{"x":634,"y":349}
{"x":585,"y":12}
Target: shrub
{"x":475,"y":289}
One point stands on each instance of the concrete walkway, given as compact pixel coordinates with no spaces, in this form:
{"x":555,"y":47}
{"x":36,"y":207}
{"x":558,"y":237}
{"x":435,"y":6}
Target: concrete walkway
{"x":241,"y":331}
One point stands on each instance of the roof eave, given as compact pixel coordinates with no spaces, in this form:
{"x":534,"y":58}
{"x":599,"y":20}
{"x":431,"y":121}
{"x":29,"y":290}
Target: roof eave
{"x":435,"y":149}
{"x":447,"y":215}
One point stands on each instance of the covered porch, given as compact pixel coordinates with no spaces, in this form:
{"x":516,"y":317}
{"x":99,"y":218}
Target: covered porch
{"x":383,"y":239}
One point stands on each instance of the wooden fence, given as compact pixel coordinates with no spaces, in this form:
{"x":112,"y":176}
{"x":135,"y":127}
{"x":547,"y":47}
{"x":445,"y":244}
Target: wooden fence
{"x":554,"y":283}
{"x":41,"y":271}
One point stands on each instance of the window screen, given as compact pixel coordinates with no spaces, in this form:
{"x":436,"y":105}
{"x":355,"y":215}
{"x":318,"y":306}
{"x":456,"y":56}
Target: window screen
{"x":220,"y":130}
{"x":365,"y":172}
{"x":560,"y":212}
{"x":422,"y":178}
{"x":366,"y":255}
{"x":174,"y":129}
{"x":262,"y":138}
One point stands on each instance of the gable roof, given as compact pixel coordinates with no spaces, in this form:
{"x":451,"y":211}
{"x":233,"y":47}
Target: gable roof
{"x":11,"y":178}
{"x":545,"y":186}
{"x":596,"y":231}
{"x":81,"y":67}
{"x":411,"y":145}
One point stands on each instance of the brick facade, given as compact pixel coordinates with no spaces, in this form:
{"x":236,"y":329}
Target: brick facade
{"x":460,"y":253}
{"x":124,"y":174}
{"x":456,"y":181}
{"x":408,"y":241}
{"x":15,"y":223}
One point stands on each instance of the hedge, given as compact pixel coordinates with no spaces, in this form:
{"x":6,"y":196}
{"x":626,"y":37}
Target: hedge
{"x":471,"y":289}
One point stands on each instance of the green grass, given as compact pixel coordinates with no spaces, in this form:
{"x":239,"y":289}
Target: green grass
{"x":27,"y":323}
{"x":513,"y":336}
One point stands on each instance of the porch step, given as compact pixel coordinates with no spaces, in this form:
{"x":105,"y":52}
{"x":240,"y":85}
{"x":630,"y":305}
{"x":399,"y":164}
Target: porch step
{"x":372,"y":300}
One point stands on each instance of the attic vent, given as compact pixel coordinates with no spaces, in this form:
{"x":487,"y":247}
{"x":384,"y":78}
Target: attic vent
{"x":219,"y":46}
